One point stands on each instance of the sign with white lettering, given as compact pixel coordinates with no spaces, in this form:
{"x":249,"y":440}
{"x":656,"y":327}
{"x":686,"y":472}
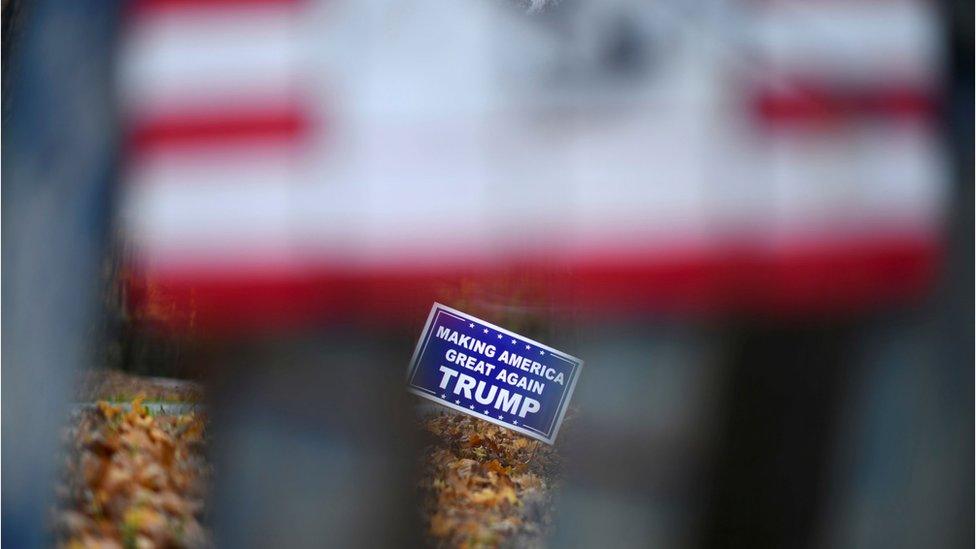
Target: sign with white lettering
{"x":491,"y":373}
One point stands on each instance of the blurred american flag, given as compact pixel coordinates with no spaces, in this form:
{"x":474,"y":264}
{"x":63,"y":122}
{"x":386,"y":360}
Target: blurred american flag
{"x":290,"y":161}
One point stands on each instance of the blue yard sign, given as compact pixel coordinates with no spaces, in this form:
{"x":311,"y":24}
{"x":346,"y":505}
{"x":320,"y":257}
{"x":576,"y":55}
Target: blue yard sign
{"x":491,"y":373}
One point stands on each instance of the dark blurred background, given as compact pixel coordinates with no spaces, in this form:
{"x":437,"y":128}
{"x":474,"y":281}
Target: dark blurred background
{"x":753,"y":221}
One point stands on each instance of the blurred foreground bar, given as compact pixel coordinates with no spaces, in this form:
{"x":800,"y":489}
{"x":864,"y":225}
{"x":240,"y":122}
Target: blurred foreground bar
{"x":314,"y":442}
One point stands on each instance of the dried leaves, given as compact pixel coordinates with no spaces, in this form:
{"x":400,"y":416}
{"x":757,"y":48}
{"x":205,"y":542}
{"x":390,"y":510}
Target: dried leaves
{"x":483,"y":485}
{"x":133,"y":480}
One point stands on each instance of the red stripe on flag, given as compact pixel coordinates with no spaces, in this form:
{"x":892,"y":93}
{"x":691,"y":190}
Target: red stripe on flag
{"x":837,"y":278}
{"x":139,"y":8}
{"x":196,"y":129}
{"x":805,"y":104}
